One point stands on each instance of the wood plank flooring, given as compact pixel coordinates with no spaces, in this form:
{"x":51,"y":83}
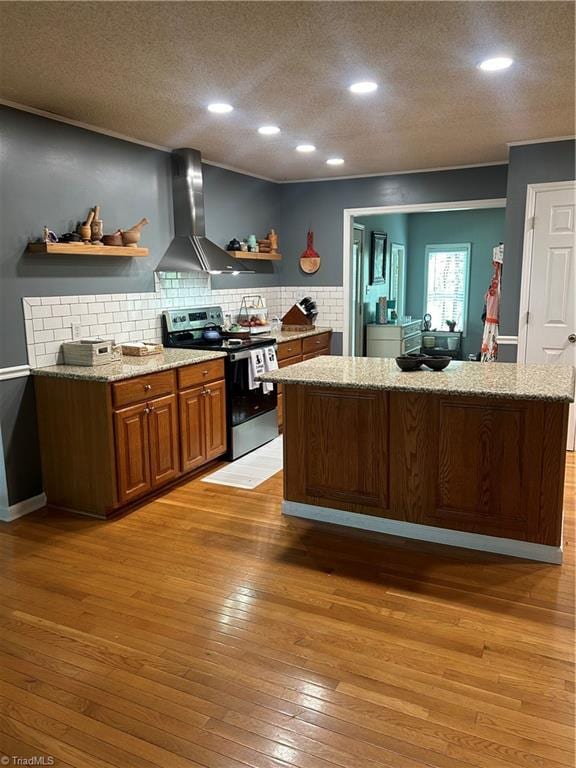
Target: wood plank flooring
{"x":206,"y":630}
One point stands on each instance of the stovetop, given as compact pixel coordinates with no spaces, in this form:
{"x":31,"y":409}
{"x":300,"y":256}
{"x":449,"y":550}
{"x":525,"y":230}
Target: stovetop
{"x":222,"y":345}
{"x":184,"y":329}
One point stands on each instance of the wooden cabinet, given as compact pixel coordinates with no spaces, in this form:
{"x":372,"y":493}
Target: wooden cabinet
{"x":202,"y":424}
{"x":163,"y":439}
{"x":215,"y":419}
{"x":132,"y":452}
{"x":146,"y":440}
{"x":105,"y":446}
{"x":192,"y":433}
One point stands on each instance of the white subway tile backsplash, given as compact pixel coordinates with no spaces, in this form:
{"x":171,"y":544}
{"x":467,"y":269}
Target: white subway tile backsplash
{"x":52,"y":322}
{"x":41,"y":311}
{"x":43,"y":336}
{"x":136,"y":316}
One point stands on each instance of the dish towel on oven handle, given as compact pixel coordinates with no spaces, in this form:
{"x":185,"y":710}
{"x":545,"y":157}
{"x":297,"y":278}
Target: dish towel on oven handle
{"x":271,"y":362}
{"x":256,"y":367}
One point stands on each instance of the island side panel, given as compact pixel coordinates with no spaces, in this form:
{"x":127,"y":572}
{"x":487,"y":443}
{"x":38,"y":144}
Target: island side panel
{"x":336,"y":444}
{"x":489,"y":466}
{"x":77,"y":444}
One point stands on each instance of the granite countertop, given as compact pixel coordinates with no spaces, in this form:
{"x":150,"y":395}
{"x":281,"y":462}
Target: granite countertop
{"x":505,"y":380}
{"x":129,"y":366}
{"x":282,"y":336}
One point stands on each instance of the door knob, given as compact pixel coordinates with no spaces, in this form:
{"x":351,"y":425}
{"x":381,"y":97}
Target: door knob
{"x":572,"y":338}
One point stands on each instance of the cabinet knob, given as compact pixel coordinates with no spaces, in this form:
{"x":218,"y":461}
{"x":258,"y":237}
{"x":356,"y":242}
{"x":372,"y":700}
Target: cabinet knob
{"x":572,"y":338}
{"x":204,"y":373}
{"x":147,"y":387}
{"x":146,"y":410}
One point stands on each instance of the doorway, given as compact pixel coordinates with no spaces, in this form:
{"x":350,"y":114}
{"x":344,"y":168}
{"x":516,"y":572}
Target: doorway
{"x":397,"y":265}
{"x":547,"y":322}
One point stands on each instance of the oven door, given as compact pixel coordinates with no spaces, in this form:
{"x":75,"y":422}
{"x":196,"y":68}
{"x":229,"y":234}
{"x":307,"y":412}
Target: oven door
{"x":244,"y":403}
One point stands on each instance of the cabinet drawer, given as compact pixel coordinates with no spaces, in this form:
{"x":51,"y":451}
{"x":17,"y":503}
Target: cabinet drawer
{"x":412,"y":343}
{"x":200,"y":373}
{"x":289,"y":349}
{"x":315,"y":343}
{"x":143,"y":388}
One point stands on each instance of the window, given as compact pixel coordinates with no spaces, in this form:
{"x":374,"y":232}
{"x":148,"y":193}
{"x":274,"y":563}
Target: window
{"x":447,"y":271}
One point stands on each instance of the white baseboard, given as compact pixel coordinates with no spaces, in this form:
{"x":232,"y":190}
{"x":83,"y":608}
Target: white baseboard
{"x":22,"y":508}
{"x":512,"y":547}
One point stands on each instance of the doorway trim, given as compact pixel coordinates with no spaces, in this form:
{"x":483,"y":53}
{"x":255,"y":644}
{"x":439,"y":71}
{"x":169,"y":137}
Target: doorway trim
{"x":350,"y":213}
{"x":532,"y":191}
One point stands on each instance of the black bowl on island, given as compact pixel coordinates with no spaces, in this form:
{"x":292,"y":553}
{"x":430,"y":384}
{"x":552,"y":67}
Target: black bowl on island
{"x":437,"y":363}
{"x":410,"y":362}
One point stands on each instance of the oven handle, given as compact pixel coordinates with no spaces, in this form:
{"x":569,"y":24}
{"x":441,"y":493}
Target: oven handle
{"x":245,"y":353}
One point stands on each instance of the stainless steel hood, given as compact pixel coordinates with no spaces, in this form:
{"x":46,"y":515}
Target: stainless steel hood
{"x":190,"y":250}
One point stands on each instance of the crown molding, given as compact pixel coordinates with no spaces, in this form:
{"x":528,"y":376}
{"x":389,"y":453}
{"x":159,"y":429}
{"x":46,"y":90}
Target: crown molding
{"x":540,"y":141}
{"x":395,"y":173}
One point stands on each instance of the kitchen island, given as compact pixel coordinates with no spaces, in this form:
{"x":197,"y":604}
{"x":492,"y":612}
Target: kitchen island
{"x":471,"y":456}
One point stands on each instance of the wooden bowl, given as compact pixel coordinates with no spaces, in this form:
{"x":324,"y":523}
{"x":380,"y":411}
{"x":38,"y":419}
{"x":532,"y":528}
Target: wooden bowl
{"x":130,"y":237}
{"x":115,"y":239}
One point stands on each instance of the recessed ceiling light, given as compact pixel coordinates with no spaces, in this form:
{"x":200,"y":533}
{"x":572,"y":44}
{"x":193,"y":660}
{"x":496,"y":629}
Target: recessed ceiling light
{"x":495,"y":64}
{"x":269,"y":130}
{"x":366,"y":86}
{"x":220,"y":108}
{"x":335,"y":161}
{"x":306,"y":148}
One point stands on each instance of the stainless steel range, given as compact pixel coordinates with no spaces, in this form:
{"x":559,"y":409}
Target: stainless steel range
{"x":251,"y":414}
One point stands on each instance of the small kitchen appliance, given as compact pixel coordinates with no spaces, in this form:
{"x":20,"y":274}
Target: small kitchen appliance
{"x":251,"y":414}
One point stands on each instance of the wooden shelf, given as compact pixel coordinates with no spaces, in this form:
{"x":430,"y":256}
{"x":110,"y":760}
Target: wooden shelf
{"x":260,"y":256}
{"x":79,"y":249}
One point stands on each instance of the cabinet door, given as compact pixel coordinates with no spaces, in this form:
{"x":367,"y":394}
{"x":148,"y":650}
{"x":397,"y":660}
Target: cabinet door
{"x":163,"y":437}
{"x":132,"y":452}
{"x":215,"y":419}
{"x":192,"y":430}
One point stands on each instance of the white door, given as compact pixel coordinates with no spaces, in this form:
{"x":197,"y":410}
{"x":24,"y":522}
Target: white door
{"x":548,"y":311}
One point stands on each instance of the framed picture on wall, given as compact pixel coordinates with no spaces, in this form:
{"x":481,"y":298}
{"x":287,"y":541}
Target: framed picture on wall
{"x":378,"y":250}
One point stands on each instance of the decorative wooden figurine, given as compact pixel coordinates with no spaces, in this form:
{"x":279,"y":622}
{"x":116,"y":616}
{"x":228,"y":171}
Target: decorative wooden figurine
{"x":131,"y":237}
{"x":273,"y":239}
{"x":85,"y":230}
{"x":97,"y":226}
{"x":310,"y":259}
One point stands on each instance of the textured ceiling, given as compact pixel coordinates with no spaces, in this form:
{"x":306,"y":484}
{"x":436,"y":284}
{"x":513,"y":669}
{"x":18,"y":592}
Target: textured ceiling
{"x":148,"y":69}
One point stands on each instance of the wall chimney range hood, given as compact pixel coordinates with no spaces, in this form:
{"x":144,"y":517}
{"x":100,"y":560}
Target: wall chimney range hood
{"x":190,"y":250}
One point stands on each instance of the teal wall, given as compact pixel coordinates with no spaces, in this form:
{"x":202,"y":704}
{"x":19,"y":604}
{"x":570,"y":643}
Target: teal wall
{"x":484,"y":229}
{"x":396,"y":227}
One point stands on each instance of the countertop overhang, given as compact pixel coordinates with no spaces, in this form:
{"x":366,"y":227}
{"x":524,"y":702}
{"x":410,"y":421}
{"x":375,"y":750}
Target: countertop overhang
{"x":129,"y":366}
{"x":498,"y":380}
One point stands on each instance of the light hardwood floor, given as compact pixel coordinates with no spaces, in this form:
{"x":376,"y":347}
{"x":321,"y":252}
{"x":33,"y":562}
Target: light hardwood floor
{"x":206,"y":630}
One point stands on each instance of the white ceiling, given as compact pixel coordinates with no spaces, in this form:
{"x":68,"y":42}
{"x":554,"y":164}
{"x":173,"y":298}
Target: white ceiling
{"x":148,"y":69}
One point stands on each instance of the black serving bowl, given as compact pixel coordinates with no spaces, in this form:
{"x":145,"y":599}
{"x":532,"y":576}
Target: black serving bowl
{"x":410,"y":362}
{"x":437,"y":363}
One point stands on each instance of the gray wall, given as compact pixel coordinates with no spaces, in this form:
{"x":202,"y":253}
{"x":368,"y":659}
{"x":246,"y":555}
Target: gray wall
{"x":319,"y":206}
{"x":52,"y":173}
{"x":529,"y":164}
